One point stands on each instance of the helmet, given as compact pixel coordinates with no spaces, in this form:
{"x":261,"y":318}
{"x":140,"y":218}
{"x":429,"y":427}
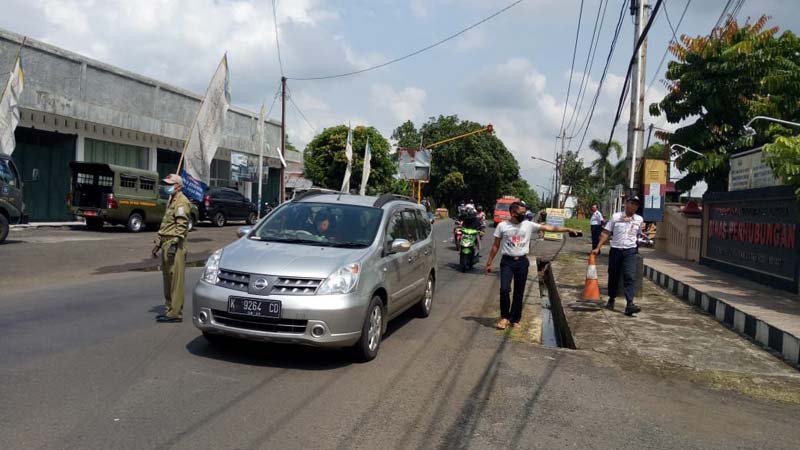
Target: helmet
{"x":470,"y":211}
{"x":480,"y":208}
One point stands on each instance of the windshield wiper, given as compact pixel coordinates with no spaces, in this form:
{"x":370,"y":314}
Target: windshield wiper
{"x":349,"y":244}
{"x":298,"y":241}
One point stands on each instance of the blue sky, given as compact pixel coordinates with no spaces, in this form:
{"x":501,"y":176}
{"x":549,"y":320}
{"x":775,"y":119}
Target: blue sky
{"x":512,"y":71}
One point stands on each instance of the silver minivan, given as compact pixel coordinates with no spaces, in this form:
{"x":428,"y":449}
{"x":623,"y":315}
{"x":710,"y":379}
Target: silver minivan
{"x":324,"y":270}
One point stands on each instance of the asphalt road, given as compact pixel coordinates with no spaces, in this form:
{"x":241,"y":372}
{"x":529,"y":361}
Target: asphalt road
{"x":83,"y":365}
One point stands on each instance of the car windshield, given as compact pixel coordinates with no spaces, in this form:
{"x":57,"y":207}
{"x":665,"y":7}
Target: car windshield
{"x":327,"y":224}
{"x":503,"y":206}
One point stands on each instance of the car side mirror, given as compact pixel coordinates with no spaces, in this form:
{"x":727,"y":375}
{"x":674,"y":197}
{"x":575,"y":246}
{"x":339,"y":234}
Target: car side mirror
{"x":243,"y":231}
{"x":400,"y":246}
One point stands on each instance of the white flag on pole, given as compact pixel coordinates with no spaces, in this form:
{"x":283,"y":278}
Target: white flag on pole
{"x":9,"y":107}
{"x":348,"y":152}
{"x":367,"y":167}
{"x":206,"y":134}
{"x":280,"y":155}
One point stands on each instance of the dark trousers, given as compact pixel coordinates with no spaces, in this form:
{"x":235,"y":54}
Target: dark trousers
{"x":596,"y":230}
{"x":515,"y":270}
{"x":622,"y":262}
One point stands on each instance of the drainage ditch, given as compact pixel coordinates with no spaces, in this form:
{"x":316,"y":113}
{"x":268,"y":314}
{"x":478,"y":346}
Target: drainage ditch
{"x":555,"y":328}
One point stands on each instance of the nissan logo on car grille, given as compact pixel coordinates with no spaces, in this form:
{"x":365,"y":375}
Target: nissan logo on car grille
{"x":261,"y":284}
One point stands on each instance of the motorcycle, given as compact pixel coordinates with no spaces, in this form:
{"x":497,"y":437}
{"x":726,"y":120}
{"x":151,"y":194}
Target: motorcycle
{"x":266,"y":209}
{"x":469,"y":248}
{"x":457,"y":234}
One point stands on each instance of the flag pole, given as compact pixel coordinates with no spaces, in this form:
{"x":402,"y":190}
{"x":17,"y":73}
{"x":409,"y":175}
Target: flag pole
{"x":194,"y":122}
{"x":260,"y":157}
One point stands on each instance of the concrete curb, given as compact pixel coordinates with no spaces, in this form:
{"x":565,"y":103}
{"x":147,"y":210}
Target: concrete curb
{"x":36,"y":225}
{"x":774,"y":339}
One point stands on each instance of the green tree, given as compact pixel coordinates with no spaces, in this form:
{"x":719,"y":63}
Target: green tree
{"x":487,"y":169}
{"x":721,"y":81}
{"x":325,"y":160}
{"x":602,"y":165}
{"x":784,"y":157}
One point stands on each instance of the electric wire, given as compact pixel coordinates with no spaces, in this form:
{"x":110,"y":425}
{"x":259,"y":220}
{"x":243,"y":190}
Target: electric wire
{"x":308,"y":122}
{"x":589,"y":64}
{"x":277,"y":41}
{"x":666,"y":51}
{"x":572,"y":68}
{"x":414,"y":53}
{"x":587,"y":120}
{"x":624,"y":93}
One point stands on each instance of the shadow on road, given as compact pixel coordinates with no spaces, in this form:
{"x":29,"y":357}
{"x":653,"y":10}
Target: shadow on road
{"x":285,"y":356}
{"x":488,"y":322}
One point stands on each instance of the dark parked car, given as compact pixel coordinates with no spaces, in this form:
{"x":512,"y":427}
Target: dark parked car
{"x":223,"y":204}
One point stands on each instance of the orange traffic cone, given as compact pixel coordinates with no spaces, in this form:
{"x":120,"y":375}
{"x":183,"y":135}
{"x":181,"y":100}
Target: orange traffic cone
{"x":591,"y":291}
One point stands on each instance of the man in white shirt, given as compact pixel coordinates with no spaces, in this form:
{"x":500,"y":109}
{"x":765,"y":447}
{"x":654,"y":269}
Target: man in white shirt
{"x":624,"y":228}
{"x":596,"y":223}
{"x":512,"y":238}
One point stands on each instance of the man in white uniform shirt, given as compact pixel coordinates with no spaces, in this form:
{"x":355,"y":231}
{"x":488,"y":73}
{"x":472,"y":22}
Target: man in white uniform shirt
{"x":624,"y":228}
{"x":596,"y":222}
{"x":512,"y":238}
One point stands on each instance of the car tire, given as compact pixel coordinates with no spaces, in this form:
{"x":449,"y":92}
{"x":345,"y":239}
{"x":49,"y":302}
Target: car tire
{"x":94,"y":224}
{"x":366,"y":349}
{"x":219,"y":220}
{"x":192,"y":223}
{"x":252,"y":218}
{"x":4,"y":228}
{"x":426,"y":303}
{"x":135,"y":223}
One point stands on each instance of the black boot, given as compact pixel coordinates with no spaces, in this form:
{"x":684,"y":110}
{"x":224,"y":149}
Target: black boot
{"x":610,"y":304}
{"x":632,"y":309}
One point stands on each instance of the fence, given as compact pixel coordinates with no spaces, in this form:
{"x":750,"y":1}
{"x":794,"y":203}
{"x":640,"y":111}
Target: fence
{"x":679,"y":235}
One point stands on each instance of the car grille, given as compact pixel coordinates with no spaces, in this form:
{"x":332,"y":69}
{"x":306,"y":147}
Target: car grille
{"x":233,"y":280}
{"x":290,"y":326}
{"x":295,"y":286}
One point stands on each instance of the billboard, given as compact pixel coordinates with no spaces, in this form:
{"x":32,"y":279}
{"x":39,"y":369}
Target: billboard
{"x":753,"y":233}
{"x":414,"y":164}
{"x":244,"y":167}
{"x":748,"y":171}
{"x":555,"y":217}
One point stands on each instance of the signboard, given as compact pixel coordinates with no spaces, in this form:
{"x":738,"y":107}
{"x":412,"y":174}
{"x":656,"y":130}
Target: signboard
{"x":748,"y":171}
{"x":555,"y":217}
{"x":753,"y":233}
{"x":655,"y":186}
{"x":244,"y":167}
{"x":414,"y":164}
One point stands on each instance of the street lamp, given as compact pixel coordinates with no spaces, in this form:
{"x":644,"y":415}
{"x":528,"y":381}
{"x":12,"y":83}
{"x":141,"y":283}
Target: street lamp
{"x":750,"y":131}
{"x":544,"y":160}
{"x":685,"y":149}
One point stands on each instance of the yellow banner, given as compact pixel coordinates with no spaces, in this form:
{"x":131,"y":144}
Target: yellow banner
{"x":555,"y":216}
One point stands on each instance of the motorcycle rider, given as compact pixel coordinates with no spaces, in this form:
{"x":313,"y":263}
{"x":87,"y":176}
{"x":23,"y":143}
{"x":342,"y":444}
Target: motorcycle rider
{"x":471,"y":220}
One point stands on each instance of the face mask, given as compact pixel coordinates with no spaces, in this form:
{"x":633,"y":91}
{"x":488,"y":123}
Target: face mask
{"x":519,"y":217}
{"x":171,"y":190}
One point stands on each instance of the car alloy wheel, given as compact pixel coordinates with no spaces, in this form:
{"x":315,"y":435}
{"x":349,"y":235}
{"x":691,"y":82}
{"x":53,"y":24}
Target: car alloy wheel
{"x":375,"y":328}
{"x":135,"y":223}
{"x":219,"y":219}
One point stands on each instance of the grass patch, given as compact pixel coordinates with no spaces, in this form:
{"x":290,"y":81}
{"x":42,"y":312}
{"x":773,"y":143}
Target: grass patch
{"x":581,"y":224}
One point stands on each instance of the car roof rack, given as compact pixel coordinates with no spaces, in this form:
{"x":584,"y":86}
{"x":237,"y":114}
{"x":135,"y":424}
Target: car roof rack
{"x":386,"y":198}
{"x":313,"y":192}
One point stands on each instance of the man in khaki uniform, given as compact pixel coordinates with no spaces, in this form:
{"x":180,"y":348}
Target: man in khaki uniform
{"x":171,"y":241}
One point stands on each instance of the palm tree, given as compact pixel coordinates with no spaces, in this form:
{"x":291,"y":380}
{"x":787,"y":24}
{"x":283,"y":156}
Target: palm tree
{"x":603,"y":150}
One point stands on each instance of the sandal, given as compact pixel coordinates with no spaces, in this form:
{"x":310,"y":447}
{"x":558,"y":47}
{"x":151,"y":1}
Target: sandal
{"x":503,"y":324}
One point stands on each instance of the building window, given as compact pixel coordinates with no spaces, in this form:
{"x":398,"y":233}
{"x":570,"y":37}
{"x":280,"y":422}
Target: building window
{"x":118,"y":154}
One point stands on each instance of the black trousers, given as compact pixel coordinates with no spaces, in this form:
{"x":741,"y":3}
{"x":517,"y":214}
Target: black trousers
{"x":515,"y":270}
{"x":622,"y":262}
{"x":596,"y":230}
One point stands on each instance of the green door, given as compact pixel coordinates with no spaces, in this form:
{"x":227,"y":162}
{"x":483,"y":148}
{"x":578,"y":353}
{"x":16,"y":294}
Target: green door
{"x":43,"y":159}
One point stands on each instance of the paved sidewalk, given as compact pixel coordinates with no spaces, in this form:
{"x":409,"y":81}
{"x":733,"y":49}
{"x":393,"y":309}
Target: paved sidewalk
{"x":768,"y":316}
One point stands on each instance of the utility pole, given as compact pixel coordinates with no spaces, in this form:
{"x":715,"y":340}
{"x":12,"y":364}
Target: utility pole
{"x":640,"y":10}
{"x":283,"y":139}
{"x":559,"y":170}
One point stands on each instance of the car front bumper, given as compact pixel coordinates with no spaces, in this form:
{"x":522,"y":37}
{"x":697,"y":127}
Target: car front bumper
{"x":338,"y":317}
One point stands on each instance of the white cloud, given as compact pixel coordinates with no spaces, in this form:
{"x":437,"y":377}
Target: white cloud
{"x":419,"y":8}
{"x":402,"y":105}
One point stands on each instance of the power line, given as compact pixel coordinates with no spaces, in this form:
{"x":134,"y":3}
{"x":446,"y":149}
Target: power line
{"x":277,"y":41}
{"x":291,"y":100}
{"x":624,"y":93}
{"x":572,"y":68}
{"x":587,"y":120}
{"x":414,"y":53}
{"x":737,"y":9}
{"x":587,"y":70}
{"x":666,"y":51}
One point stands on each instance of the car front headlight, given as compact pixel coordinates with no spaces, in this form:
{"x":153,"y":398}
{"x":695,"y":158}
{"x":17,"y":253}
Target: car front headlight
{"x":211,"y":271}
{"x":343,"y":281}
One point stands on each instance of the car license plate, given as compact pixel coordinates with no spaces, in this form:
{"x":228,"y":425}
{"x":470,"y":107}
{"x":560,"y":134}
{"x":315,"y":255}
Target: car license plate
{"x":90,"y":213}
{"x":254,"y":307}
